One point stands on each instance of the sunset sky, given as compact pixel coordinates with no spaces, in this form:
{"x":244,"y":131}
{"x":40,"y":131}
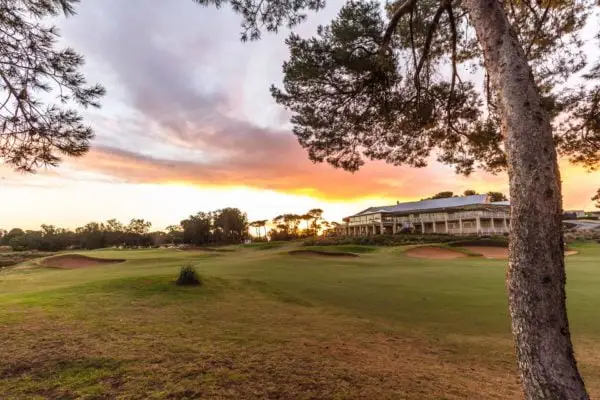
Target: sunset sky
{"x":188,"y":125}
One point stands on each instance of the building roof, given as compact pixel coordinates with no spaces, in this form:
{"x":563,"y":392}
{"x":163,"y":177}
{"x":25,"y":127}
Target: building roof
{"x":433,"y":204}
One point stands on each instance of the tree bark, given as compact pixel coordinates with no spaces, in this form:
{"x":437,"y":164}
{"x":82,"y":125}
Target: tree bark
{"x":536,"y":271}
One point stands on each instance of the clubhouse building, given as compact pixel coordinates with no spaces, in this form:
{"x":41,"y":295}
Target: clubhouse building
{"x":467,"y":215}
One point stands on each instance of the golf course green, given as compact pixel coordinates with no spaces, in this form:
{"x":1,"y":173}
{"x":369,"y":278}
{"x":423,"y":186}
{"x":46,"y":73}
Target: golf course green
{"x":273,"y":322}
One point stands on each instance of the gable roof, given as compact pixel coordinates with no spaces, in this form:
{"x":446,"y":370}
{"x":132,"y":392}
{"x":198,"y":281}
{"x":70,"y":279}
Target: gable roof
{"x":449,"y":202}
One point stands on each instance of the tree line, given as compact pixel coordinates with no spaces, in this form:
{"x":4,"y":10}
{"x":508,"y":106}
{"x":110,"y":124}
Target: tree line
{"x":219,"y":227}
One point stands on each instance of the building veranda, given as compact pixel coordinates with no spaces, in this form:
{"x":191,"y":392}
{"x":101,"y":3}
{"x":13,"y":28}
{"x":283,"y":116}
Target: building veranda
{"x":467,"y":215}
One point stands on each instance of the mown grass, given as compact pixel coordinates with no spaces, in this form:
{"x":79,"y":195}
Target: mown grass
{"x":271,"y":325}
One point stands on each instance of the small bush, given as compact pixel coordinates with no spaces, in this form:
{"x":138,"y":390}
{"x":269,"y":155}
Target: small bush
{"x":188,"y":276}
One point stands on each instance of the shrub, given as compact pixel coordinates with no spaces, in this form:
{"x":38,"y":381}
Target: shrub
{"x":188,"y":276}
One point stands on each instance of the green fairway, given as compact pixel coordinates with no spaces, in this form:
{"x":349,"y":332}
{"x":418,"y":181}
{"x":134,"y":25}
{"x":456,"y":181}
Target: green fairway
{"x":268,"y":324}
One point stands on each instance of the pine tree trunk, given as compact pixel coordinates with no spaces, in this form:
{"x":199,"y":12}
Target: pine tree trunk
{"x":536,"y":272}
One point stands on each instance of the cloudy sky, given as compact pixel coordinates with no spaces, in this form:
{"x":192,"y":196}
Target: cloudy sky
{"x":188,"y":125}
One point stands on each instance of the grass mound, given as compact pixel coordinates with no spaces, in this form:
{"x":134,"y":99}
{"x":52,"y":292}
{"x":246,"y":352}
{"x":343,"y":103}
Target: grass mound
{"x":73,"y":261}
{"x":9,"y":258}
{"x":188,"y":277}
{"x":344,"y":248}
{"x":321,"y":253}
{"x":264,"y":245}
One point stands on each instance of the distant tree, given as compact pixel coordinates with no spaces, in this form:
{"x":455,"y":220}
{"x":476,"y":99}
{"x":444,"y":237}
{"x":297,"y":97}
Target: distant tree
{"x":496,"y":196}
{"x":92,"y":235}
{"x":138,"y":226}
{"x":262,"y":224}
{"x":316,"y":214}
{"x":231,"y":225}
{"x":114,"y":233}
{"x":29,"y":241}
{"x":174,"y":234}
{"x":197,"y":229}
{"x":157,"y":238}
{"x":596,"y":198}
{"x":440,"y":195}
{"x":307,"y":218}
{"x":469,"y":192}
{"x":35,"y":132}
{"x":13,"y":233}
{"x":254,"y":224}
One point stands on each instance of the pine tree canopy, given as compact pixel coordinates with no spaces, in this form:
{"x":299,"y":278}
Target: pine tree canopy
{"x":402,"y":81}
{"x":33,"y":131}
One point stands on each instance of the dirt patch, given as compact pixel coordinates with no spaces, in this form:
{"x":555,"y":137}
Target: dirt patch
{"x":433,"y":252}
{"x":571,"y":252}
{"x":321,"y":253}
{"x":72,"y":261}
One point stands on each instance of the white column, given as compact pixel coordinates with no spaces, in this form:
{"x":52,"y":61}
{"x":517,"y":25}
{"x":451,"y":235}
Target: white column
{"x":434,"y":227}
{"x":493,"y":227}
{"x":505,"y":225}
{"x":446,"y":221}
{"x":394,"y":225}
{"x":381,"y":227}
{"x":422,"y":227}
{"x":460,"y":226}
{"x":478,"y":224}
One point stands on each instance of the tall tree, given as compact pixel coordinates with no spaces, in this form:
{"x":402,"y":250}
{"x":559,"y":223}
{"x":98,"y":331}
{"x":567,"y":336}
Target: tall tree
{"x":33,"y":132}
{"x":317,"y":215}
{"x":307,"y":218}
{"x":469,"y":192}
{"x":232,"y":223}
{"x":374,"y":86}
{"x":596,"y":198}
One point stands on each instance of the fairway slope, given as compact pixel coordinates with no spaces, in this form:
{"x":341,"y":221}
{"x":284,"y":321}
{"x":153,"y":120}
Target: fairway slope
{"x":73,"y":261}
{"x":434,"y":253}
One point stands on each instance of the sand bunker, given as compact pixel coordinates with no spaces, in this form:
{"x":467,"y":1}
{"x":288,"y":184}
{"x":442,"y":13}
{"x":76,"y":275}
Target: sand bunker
{"x":432,"y":252}
{"x":71,"y":261}
{"x":321,"y":253}
{"x":489,"y":251}
{"x":499,"y":252}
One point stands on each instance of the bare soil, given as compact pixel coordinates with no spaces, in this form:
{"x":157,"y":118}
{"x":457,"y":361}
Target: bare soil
{"x":73,"y":261}
{"x":436,"y":253}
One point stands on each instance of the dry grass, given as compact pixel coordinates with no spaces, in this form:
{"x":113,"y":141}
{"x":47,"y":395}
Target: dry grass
{"x":227,"y":341}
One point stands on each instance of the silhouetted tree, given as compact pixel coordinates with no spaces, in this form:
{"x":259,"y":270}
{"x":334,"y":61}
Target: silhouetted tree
{"x":175,"y":234}
{"x":34,"y":131}
{"x":13,"y":233}
{"x":231,"y":225}
{"x":596,"y":198}
{"x":316,"y":214}
{"x":469,"y":192}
